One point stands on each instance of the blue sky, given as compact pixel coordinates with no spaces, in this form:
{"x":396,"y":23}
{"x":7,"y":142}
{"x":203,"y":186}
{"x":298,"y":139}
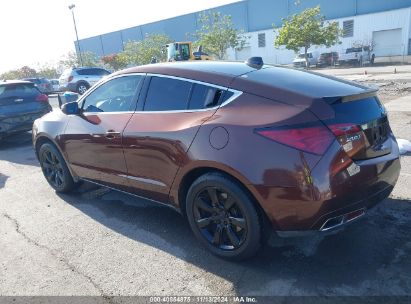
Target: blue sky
{"x":41,"y":31}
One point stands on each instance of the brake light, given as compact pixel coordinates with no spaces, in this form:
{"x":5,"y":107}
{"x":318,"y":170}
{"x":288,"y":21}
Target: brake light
{"x":314,"y":138}
{"x":70,"y":78}
{"x":344,"y":129}
{"x":350,"y":137}
{"x":43,"y":98}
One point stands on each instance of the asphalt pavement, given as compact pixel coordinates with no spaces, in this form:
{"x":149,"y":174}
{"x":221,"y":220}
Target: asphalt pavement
{"x":100,"y":242}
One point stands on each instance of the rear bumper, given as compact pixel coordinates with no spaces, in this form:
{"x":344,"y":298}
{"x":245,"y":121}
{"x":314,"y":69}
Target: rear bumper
{"x":68,"y":87}
{"x":331,"y":197}
{"x":19,"y":123}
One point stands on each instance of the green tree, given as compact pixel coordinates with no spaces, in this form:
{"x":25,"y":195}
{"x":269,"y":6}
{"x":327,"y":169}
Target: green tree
{"x":48,"y":72}
{"x":217,"y":34}
{"x":305,"y":30}
{"x":142,"y":52}
{"x":72,"y":60}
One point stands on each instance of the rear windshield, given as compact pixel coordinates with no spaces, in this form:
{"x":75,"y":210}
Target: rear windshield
{"x":20,"y":89}
{"x":304,"y":83}
{"x":354,"y":50}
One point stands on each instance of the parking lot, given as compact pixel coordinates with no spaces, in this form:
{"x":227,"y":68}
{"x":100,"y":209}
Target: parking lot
{"x":100,"y":242}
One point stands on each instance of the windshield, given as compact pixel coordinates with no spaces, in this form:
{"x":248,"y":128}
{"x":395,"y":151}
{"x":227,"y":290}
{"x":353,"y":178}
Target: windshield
{"x":171,"y":51}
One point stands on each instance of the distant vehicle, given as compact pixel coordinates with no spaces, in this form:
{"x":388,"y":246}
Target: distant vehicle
{"x":21,"y":103}
{"x":183,"y":51}
{"x":79,"y":80}
{"x":55,"y":84}
{"x":43,"y":84}
{"x":357,"y":56}
{"x":299,"y":61}
{"x":328,"y":59}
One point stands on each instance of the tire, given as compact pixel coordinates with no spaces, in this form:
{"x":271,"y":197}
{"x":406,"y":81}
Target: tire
{"x":82,"y":88}
{"x":223,"y":217}
{"x":55,"y":169}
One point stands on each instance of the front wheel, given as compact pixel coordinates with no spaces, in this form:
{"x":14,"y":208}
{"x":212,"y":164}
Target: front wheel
{"x":55,"y":169}
{"x":223,"y":217}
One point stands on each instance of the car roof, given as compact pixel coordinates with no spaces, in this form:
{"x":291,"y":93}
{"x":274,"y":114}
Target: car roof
{"x":275,"y":82}
{"x":217,"y":72}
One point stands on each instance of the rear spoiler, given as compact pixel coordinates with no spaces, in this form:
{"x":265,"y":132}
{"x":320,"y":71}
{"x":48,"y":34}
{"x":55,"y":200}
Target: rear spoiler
{"x":371,"y":92}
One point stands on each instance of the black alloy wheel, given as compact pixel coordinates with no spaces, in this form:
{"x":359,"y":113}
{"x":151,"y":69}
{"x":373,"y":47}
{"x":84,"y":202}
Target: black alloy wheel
{"x":223,"y":217}
{"x":219,"y":218}
{"x":55,"y":169}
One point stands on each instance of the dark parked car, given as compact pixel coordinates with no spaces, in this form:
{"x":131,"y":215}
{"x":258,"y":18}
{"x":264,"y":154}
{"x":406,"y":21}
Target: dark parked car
{"x":239,"y":149}
{"x":79,"y":80}
{"x":43,"y":84}
{"x":328,"y":59}
{"x":20,"y":104}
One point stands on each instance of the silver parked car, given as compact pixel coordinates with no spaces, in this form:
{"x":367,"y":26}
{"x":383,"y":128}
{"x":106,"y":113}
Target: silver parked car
{"x":55,"y":84}
{"x":79,"y":80}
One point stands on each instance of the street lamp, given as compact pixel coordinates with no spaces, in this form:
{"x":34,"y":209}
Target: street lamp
{"x":71,"y":7}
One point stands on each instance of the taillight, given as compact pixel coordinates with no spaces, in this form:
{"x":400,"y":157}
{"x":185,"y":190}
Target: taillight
{"x":70,"y":78}
{"x":350,"y":136}
{"x":42,"y":98}
{"x":313,"y":138}
{"x":344,"y":129}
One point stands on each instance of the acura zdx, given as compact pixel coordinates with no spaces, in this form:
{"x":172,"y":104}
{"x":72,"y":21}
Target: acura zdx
{"x":240,"y":149}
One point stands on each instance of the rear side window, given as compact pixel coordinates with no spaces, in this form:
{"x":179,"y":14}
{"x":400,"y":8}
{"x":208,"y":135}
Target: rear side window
{"x":166,"y":94}
{"x":203,"y":97}
{"x":17,"y":90}
{"x":83,"y":72}
{"x":101,"y":72}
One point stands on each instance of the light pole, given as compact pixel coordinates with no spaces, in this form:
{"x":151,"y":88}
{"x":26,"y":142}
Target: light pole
{"x":71,"y":7}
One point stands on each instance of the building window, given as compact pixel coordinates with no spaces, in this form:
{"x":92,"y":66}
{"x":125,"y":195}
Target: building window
{"x":348,"y":28}
{"x":261,"y":40}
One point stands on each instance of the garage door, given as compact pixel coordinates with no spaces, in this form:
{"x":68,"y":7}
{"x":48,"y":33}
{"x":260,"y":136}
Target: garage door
{"x":388,"y":43}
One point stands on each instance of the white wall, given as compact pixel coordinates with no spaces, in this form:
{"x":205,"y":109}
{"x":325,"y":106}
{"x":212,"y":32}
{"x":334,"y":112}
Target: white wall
{"x":364,"y":26}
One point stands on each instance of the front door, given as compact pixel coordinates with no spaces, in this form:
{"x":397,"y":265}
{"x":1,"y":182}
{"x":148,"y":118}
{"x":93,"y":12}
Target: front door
{"x":93,"y":139}
{"x":158,"y":137}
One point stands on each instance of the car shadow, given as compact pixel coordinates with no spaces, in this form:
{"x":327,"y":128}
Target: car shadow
{"x":347,"y":263}
{"x":18,"y":149}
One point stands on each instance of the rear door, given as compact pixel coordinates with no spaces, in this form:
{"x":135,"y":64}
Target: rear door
{"x":93,"y":139}
{"x":159,"y":134}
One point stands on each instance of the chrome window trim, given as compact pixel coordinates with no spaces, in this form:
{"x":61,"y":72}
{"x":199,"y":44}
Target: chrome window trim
{"x":236,"y":94}
{"x":99,"y":84}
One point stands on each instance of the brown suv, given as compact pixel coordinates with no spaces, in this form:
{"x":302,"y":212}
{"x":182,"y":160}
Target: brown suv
{"x":236,"y":148}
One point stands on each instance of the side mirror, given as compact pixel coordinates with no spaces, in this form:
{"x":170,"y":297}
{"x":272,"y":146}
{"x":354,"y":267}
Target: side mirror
{"x":70,"y":108}
{"x":67,"y":97}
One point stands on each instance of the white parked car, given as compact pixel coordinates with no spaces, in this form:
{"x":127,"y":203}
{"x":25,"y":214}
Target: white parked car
{"x":357,"y":56}
{"x":299,"y":61}
{"x":55,"y":84}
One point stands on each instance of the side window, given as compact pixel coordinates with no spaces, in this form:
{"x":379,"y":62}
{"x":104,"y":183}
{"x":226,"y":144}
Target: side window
{"x":204,"y":97}
{"x":84,"y":72}
{"x":167,"y":94}
{"x":115,"y":95}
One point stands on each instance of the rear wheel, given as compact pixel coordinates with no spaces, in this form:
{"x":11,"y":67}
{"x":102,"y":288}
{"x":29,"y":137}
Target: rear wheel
{"x":223,"y":217}
{"x":82,"y":88}
{"x":55,"y":169}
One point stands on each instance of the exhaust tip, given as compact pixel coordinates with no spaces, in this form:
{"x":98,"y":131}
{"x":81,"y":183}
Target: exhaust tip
{"x":338,"y":221}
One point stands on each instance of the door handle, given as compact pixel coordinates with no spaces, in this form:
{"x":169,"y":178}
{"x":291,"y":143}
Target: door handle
{"x":110,"y":134}
{"x":19,"y":100}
